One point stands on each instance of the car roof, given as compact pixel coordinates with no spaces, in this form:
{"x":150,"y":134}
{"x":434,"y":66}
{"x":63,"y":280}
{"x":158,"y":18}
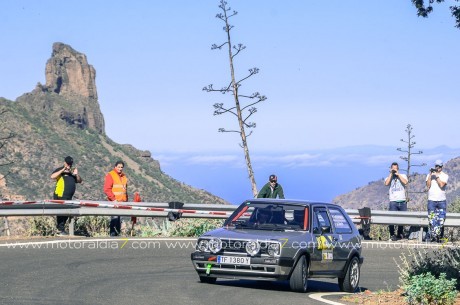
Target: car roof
{"x":290,"y":201}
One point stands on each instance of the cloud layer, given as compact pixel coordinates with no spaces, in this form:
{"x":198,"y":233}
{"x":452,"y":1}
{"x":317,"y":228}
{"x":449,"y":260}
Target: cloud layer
{"x":363,"y":155}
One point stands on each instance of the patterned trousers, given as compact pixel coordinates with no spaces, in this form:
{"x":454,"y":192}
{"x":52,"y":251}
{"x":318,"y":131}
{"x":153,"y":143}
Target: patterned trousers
{"x":436,"y":217}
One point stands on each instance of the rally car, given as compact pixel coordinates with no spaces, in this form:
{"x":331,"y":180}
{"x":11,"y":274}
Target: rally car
{"x":276,"y":240}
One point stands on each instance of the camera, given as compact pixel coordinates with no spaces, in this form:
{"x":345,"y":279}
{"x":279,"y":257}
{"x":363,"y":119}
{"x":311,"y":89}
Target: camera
{"x":433,"y":170}
{"x":393,"y":171}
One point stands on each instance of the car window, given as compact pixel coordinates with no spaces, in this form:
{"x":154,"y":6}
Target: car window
{"x":296,"y":218}
{"x":341,"y":224}
{"x":269,"y":216}
{"x":321,"y":220}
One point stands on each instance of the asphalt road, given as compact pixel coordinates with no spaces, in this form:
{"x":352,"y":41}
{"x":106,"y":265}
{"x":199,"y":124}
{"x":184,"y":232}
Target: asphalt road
{"x":116,"y":271}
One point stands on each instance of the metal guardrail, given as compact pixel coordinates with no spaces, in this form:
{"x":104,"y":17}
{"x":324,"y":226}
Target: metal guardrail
{"x":44,"y":208}
{"x":406,"y":218}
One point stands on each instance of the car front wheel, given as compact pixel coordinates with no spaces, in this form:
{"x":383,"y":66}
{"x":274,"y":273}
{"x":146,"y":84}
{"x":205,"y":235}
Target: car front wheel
{"x":299,"y":277}
{"x":351,"y":280}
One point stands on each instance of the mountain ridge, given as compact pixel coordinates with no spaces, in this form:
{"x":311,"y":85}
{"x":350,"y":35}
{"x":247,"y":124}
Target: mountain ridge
{"x":63,"y":118}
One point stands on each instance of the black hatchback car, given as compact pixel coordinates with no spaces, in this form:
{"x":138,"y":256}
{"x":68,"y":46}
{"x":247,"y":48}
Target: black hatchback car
{"x":272,"y":239}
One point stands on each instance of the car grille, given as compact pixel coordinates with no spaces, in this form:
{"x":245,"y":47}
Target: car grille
{"x":239,"y":246}
{"x":239,"y":267}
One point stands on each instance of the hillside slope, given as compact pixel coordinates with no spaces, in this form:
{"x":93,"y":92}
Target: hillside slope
{"x":63,"y":118}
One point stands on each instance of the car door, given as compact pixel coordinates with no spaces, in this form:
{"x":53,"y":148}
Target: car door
{"x":342,"y":237}
{"x":325,"y":250}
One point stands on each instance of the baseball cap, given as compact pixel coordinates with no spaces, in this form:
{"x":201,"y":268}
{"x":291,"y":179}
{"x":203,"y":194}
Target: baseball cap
{"x":273,"y":178}
{"x":438,"y":163}
{"x":68,"y":160}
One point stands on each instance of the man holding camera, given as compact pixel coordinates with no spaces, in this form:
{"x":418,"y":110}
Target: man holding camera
{"x":436,"y":181}
{"x":66,"y":179}
{"x":397,"y":194}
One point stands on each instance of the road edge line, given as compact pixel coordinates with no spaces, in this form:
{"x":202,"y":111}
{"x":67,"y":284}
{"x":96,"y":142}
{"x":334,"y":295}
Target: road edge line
{"x":319,"y":297}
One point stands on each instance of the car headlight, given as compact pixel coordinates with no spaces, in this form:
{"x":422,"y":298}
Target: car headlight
{"x":274,"y":249}
{"x":252,"y":247}
{"x":203,"y":245}
{"x":215,"y":245}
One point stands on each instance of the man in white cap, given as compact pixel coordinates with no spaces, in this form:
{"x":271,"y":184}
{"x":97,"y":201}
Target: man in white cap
{"x":436,"y":181}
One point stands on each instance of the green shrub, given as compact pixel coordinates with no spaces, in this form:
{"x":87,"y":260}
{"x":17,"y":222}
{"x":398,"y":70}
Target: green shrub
{"x":426,"y":289}
{"x":95,"y":226}
{"x":445,"y":260}
{"x":194,"y":227}
{"x":379,"y":232}
{"x":92,"y":225}
{"x":157,"y":227}
{"x":454,"y":206}
{"x":153,"y":229}
{"x":185,"y":227}
{"x":42,"y":226}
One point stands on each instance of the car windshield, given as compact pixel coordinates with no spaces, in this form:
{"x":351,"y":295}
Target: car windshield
{"x":269,"y":216}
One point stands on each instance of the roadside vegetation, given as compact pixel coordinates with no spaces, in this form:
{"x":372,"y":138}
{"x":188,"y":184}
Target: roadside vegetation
{"x":426,"y":278}
{"x":98,"y":226}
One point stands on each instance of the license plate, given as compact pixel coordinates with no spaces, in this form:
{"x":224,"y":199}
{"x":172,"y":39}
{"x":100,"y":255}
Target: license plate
{"x":233,"y":260}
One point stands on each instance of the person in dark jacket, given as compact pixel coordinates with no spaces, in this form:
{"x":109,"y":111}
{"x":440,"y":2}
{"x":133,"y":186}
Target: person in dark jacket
{"x":66,"y":178}
{"x":272,"y":189}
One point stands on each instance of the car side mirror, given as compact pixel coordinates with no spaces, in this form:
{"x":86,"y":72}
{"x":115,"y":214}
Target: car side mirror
{"x":325,"y":229}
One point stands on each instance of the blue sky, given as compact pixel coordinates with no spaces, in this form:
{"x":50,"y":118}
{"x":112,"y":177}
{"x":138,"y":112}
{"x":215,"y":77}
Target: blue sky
{"x":337,"y":74}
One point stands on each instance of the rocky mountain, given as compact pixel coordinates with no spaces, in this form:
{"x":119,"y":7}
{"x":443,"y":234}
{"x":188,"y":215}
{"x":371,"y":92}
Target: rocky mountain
{"x":63,"y":118}
{"x":375,"y":194}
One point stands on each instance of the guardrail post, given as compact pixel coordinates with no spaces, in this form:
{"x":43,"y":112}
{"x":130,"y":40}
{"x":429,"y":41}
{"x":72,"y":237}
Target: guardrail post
{"x":71,"y":226}
{"x":420,"y":235}
{"x":7,"y":227}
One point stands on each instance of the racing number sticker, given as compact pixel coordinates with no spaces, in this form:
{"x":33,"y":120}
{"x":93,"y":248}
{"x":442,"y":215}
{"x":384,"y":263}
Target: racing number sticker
{"x":327,"y":255}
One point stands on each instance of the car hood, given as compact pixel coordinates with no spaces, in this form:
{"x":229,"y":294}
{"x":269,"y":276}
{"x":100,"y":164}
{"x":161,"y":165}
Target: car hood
{"x":232,"y":233}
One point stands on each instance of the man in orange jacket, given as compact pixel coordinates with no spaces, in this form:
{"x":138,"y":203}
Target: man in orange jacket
{"x":116,"y":189}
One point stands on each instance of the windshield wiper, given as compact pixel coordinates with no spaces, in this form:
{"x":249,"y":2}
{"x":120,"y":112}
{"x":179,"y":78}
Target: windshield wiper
{"x":272,"y":226}
{"x":241,"y":224}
